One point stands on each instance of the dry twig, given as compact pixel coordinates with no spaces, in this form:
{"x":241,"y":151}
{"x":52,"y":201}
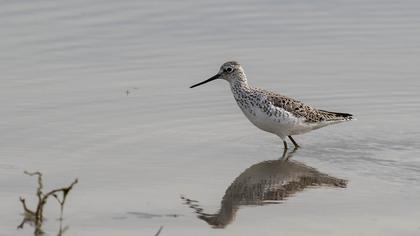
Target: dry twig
{"x":36,"y":217}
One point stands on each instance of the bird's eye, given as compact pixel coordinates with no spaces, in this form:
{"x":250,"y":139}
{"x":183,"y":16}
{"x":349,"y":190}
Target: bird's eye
{"x":229,"y":69}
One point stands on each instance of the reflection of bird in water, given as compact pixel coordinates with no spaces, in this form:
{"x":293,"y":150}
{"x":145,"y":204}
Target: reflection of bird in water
{"x":266,"y":182}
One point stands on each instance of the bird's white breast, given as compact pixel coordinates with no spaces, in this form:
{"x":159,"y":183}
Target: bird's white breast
{"x":279,"y":122}
{"x":263,"y":114}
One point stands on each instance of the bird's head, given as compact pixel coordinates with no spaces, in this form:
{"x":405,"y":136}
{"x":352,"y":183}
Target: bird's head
{"x":229,"y":71}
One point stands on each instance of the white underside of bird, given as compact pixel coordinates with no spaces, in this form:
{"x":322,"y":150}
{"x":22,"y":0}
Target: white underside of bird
{"x":263,"y":113}
{"x":285,"y":124}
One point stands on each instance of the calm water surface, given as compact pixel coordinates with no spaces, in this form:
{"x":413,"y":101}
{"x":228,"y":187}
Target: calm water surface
{"x":99,"y":90}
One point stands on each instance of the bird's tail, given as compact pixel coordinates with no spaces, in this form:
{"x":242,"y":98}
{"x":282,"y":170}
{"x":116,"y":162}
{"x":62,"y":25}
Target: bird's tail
{"x":336,"y":116}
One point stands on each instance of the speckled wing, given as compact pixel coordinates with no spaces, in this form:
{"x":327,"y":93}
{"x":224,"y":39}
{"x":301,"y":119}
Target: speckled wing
{"x":299,"y":109}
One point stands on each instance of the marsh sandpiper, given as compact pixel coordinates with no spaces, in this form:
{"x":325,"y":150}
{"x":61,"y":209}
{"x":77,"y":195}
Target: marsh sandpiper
{"x":272,"y":112}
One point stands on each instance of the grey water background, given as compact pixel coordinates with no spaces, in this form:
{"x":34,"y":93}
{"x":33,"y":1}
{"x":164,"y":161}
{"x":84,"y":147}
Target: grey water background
{"x":99,"y":90}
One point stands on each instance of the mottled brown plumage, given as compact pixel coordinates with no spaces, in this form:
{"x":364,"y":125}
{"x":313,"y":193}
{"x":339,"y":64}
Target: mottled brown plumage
{"x":299,"y":109}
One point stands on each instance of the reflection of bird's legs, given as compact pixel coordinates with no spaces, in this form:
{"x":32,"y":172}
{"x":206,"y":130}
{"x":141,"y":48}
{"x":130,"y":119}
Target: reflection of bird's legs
{"x":285,"y":147}
{"x":293,"y":141}
{"x":286,"y":156}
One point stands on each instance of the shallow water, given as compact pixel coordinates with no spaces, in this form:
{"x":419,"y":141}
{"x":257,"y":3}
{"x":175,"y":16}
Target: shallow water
{"x":99,"y":90}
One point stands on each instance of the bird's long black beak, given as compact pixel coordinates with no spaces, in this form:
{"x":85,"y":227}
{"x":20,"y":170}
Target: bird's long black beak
{"x":206,"y":81}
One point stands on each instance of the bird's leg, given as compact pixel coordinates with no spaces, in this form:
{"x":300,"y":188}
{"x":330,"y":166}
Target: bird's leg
{"x":287,"y":155}
{"x":293,"y":141}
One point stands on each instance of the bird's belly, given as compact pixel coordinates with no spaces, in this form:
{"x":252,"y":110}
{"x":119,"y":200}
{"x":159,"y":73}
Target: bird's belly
{"x":271,"y":120}
{"x":262,"y":121}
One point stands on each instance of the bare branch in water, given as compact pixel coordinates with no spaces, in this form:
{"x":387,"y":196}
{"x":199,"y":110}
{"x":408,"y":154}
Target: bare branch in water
{"x":36,"y":217}
{"x":160,"y":230}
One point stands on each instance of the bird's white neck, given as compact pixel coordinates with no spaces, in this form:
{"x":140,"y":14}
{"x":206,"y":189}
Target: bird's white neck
{"x":239,"y":87}
{"x":239,"y":81}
